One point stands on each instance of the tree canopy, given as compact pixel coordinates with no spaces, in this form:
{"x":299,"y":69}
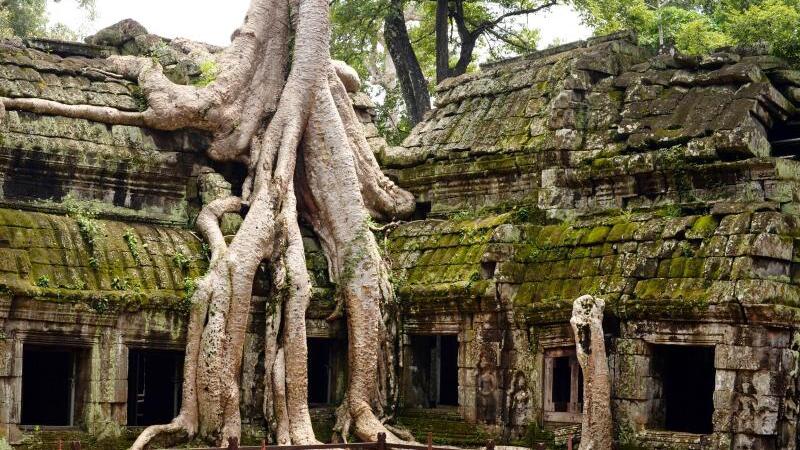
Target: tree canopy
{"x":28,"y":18}
{"x":701,"y":26}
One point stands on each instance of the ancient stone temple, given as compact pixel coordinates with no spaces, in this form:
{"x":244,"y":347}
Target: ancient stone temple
{"x":664,"y":185}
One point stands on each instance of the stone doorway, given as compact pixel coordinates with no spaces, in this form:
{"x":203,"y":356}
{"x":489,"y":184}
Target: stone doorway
{"x":50,"y":385}
{"x":687,"y":377}
{"x":434,"y":366}
{"x":154,"y":386}
{"x":320,"y":371}
{"x":563,"y":386}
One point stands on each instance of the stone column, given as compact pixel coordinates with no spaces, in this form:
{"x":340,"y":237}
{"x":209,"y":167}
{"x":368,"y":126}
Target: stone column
{"x":587,"y":323}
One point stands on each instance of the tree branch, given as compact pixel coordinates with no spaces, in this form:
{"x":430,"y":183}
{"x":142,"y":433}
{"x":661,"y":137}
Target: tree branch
{"x":489,"y":24}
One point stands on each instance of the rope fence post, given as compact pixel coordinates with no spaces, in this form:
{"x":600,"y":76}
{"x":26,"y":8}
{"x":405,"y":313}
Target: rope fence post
{"x":490,"y":444}
{"x":430,"y":441}
{"x":381,"y":444}
{"x":569,"y":442}
{"x":233,"y":443}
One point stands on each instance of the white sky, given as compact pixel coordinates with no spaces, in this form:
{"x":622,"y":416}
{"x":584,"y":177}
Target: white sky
{"x":213,"y":21}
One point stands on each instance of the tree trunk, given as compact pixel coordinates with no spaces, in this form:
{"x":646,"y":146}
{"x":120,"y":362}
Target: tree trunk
{"x":413,"y":84}
{"x":442,"y":40}
{"x":465,"y":57}
{"x":307,"y":157}
{"x":587,"y":325}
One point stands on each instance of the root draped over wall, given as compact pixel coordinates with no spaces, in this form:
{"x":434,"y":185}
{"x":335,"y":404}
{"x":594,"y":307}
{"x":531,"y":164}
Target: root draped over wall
{"x":308,"y":159}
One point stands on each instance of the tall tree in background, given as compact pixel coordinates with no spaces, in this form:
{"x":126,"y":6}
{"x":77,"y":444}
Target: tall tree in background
{"x":472,"y":21}
{"x":28,"y":18}
{"x":280,"y":107}
{"x":432,"y":40}
{"x":701,"y":26}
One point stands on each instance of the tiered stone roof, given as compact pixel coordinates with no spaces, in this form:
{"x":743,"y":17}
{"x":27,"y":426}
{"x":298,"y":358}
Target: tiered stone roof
{"x":657,"y":182}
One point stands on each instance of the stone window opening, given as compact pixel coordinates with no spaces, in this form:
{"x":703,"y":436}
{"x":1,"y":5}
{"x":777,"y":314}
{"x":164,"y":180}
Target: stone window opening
{"x":155,"y":382}
{"x":320,"y":371}
{"x":687,"y":377}
{"x":785,"y":139}
{"x":563,"y":386}
{"x":435,"y":363}
{"x":54,"y":382}
{"x":422,"y":210}
{"x":488,"y":269}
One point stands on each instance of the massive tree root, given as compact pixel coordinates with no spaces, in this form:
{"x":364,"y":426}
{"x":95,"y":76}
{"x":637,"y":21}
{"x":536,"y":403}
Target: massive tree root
{"x":587,"y":324}
{"x":307,"y":158}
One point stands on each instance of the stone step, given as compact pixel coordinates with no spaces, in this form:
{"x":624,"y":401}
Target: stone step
{"x":445,"y":425}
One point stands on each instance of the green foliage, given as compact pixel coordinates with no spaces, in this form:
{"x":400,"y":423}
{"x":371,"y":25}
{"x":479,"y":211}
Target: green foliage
{"x":133,"y":244}
{"x":189,"y":287}
{"x":100,"y":305}
{"x":700,"y":26}
{"x":208,"y":73}
{"x":392,"y":119}
{"x":90,"y":228}
{"x":180,"y":260}
{"x":772,"y":21}
{"x":119,"y":284}
{"x":28,"y":18}
{"x":43,"y":281}
{"x":671,"y":211}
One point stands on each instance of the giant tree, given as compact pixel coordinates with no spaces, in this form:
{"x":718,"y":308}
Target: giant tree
{"x":279,"y":106}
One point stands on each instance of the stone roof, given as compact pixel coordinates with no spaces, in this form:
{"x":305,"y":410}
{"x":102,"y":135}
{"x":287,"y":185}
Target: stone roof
{"x":114,"y":266}
{"x":533,"y":130}
{"x":666,"y":184}
{"x":136,"y":171}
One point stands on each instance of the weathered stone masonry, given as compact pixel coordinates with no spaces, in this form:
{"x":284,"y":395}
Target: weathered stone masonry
{"x":663,"y":185}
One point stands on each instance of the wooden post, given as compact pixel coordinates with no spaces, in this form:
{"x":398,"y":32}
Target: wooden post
{"x":76,"y":445}
{"x":60,"y":445}
{"x":569,"y":442}
{"x":430,"y":441}
{"x":490,"y":444}
{"x":233,"y":443}
{"x":263,"y":444}
{"x":381,"y":444}
{"x":540,"y":446}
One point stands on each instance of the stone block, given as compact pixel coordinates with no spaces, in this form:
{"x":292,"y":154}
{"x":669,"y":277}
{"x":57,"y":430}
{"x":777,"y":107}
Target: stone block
{"x":735,"y":358}
{"x":734,"y":224}
{"x":773,"y":246}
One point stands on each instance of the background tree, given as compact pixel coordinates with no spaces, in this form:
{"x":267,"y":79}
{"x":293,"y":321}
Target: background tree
{"x":701,"y":26}
{"x":429,"y":41}
{"x":28,"y":18}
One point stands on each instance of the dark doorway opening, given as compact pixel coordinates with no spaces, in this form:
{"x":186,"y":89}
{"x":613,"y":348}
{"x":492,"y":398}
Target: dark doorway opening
{"x":154,"y":386}
{"x":422,"y":210}
{"x":785,"y":139}
{"x":448,"y":370}
{"x":563,"y":386}
{"x":319,"y":371}
{"x":48,"y":385}
{"x":434,"y":380}
{"x":687,"y":377}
